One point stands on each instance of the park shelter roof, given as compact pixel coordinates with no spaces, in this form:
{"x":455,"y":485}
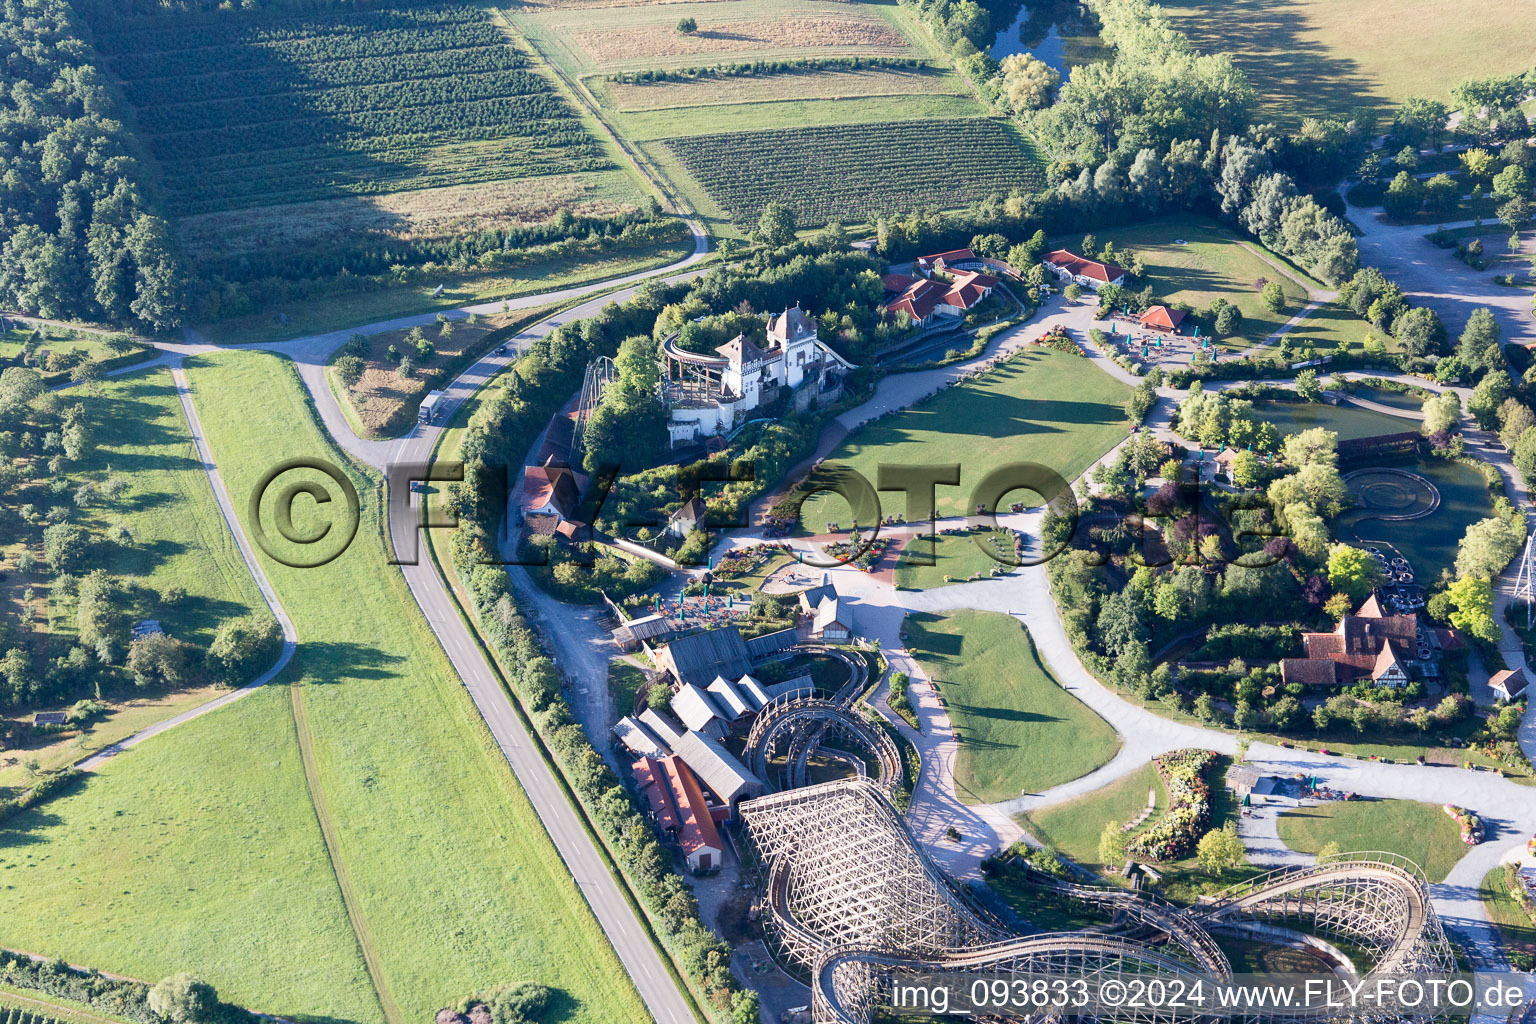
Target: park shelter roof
{"x":729,"y":699}
{"x":691,"y":704}
{"x":663,"y":727}
{"x":1162,"y":318}
{"x":760,"y":647}
{"x":952,"y":256}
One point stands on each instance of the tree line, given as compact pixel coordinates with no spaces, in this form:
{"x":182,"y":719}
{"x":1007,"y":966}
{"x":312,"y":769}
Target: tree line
{"x":81,"y":236}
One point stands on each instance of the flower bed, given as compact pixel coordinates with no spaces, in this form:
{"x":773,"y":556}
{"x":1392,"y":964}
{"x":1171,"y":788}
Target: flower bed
{"x":1471,"y":825}
{"x":1189,"y":808}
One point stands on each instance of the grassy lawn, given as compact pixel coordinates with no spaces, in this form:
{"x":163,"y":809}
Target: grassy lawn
{"x":712,"y":90}
{"x":1514,"y":923}
{"x":1311,"y":57}
{"x":335,"y":312}
{"x":123,"y":718}
{"x":1019,"y":731}
{"x":958,"y":555}
{"x":197,"y":851}
{"x":624,"y":682}
{"x":1041,"y":406}
{"x":178,"y":537}
{"x":472,"y":894}
{"x":1210,"y":264}
{"x":1072,"y":828}
{"x":1423,"y":833}
{"x":452,"y":878}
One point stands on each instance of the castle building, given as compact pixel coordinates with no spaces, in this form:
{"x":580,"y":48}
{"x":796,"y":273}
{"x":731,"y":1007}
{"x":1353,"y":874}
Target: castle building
{"x":709,"y":395}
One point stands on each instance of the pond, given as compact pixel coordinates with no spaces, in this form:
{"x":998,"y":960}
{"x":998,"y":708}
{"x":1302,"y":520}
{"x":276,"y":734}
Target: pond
{"x":1429,"y":543}
{"x":1061,"y":34}
{"x":1348,"y":421}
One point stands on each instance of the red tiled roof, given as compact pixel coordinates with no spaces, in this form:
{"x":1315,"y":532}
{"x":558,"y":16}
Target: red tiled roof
{"x":543,"y":485}
{"x":898,"y":283}
{"x":1081,"y":266}
{"x":698,"y":826}
{"x":653,"y":786}
{"x":953,"y":256}
{"x":918,"y":300}
{"x":1164,"y":317}
{"x":1310,"y":671}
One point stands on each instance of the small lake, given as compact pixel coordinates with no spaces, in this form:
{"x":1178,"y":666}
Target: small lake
{"x":1061,"y":34}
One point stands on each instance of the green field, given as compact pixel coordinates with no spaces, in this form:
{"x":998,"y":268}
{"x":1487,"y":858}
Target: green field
{"x":1073,"y":828}
{"x":1423,"y":833}
{"x":803,"y":125}
{"x":1019,"y":731}
{"x":1314,"y":58}
{"x":1041,"y":406}
{"x":1212,"y":263}
{"x":957,"y":555}
{"x":246,"y":108}
{"x":1514,"y":923}
{"x":850,"y":172}
{"x":449,"y":872}
{"x":197,"y":851}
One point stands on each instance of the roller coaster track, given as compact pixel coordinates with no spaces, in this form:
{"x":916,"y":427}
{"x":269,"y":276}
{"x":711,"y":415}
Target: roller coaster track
{"x":851,"y":898}
{"x":801,"y":722}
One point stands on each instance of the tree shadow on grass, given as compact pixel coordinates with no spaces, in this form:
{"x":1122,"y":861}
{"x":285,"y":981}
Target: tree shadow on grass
{"x":338,"y":661}
{"x":1266,"y":39}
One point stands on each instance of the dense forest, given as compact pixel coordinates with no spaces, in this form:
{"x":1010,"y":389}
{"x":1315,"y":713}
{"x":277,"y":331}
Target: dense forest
{"x":81,"y":240}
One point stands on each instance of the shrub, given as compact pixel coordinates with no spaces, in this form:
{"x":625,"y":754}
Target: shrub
{"x":349,"y":370}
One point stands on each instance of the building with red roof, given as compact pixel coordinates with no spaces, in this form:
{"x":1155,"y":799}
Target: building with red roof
{"x":551,"y":496}
{"x":1365,"y":645}
{"x":926,"y":265}
{"x":680,"y":810}
{"x":1072,"y":268}
{"x":1163,"y":319}
{"x":925,"y":298}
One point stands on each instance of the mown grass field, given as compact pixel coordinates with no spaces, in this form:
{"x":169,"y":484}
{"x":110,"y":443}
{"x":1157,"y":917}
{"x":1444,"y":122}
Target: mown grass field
{"x":642,"y":37}
{"x":825,"y":84}
{"x":957,"y":555}
{"x":1423,"y":833}
{"x":1019,"y":731}
{"x":1211,"y":263}
{"x":1314,"y":58}
{"x":247,"y":108}
{"x":1073,"y":828}
{"x":1041,"y":406}
{"x":448,"y":869}
{"x":196,"y":851}
{"x":472,"y":894}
